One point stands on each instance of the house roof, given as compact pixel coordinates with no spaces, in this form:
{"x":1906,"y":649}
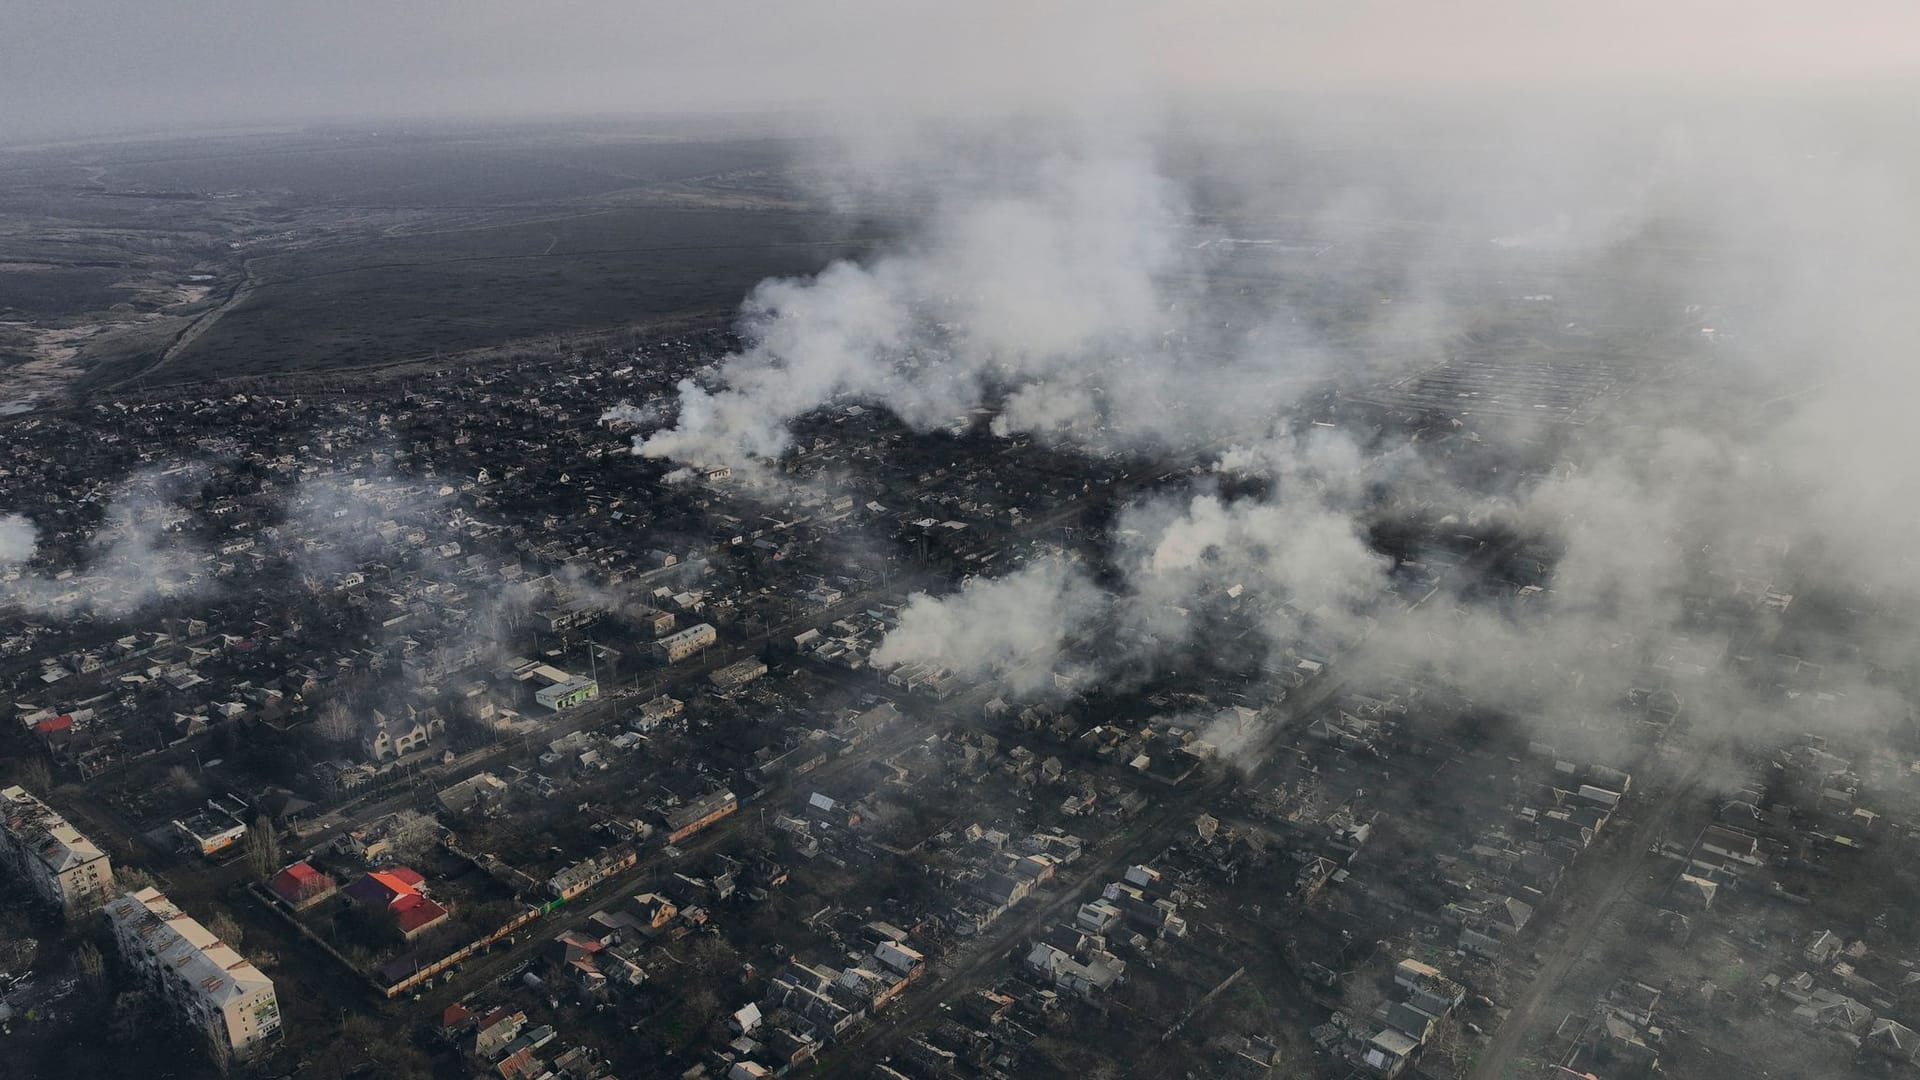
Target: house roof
{"x":415,"y":912}
{"x":302,"y":871}
{"x":58,"y":845}
{"x":396,"y":890}
{"x":1393,"y":1042}
{"x":385,"y":886}
{"x":1894,"y":1035}
{"x":1411,"y":1021}
{"x":300,"y":880}
{"x":1698,"y":886}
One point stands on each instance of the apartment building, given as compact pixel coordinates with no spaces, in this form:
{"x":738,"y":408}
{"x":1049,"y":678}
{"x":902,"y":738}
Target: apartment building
{"x":214,"y":989}
{"x":64,"y":867}
{"x":677,"y":647}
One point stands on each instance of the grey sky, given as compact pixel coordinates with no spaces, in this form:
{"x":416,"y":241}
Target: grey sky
{"x":77,"y":66}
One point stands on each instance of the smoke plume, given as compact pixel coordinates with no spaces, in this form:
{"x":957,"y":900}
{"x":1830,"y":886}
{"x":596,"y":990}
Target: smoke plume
{"x":1014,"y":628}
{"x":18,"y":539}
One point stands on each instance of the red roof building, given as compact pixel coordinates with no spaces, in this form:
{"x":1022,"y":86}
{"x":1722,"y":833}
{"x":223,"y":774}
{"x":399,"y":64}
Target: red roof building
{"x":455,"y":1017}
{"x":301,"y":886}
{"x":396,"y":891}
{"x":56,"y":731}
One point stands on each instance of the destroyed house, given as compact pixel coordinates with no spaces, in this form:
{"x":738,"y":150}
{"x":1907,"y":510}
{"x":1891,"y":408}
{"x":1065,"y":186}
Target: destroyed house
{"x":698,"y":814}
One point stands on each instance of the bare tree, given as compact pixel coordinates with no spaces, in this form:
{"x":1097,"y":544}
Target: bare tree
{"x":1449,"y":1043}
{"x":131,"y":878}
{"x":35,"y":775}
{"x":1360,"y":993}
{"x":182,"y":782}
{"x":709,"y":955}
{"x":395,"y":1057}
{"x":703,"y":1003}
{"x":412,"y":834}
{"x":225,"y":927}
{"x":336,"y":723}
{"x":91,"y":966}
{"x":263,"y":848}
{"x":221,"y":1054}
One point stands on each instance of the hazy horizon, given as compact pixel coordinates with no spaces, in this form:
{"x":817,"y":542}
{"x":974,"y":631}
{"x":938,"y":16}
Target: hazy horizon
{"x":100,"y":67}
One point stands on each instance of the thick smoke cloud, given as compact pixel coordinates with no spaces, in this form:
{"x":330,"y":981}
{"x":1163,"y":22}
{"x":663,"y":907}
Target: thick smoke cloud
{"x":1306,"y":560}
{"x":1304,"y":569}
{"x":335,"y":524}
{"x":1738,"y":274}
{"x":1013,"y":628}
{"x":1038,"y":281}
{"x":18,"y":538}
{"x":339,"y":519}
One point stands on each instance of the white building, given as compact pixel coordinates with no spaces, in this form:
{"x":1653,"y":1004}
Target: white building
{"x":566,"y":692}
{"x":210,"y":833}
{"x":63,"y":866}
{"x":677,"y":647}
{"x":213,"y":988}
{"x":738,"y":674}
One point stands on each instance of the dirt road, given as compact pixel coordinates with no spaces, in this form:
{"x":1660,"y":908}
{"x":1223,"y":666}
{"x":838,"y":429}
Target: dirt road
{"x":1597,"y":888}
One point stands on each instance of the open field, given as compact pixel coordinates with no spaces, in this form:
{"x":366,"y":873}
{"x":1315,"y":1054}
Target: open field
{"x":387,"y":299}
{"x":272,"y":253}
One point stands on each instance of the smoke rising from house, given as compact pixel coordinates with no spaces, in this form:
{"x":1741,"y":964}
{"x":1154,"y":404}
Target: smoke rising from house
{"x":1022,"y":282}
{"x":138,"y":553}
{"x":18,"y":539}
{"x":1013,"y":628}
{"x":1724,"y":279}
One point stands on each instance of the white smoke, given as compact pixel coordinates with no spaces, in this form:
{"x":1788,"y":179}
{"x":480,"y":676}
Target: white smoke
{"x":1015,"y":628}
{"x":1037,"y":278}
{"x":629,"y":413}
{"x":1063,"y":287}
{"x":1302,"y":566}
{"x":18,"y":539}
{"x":137,"y":555}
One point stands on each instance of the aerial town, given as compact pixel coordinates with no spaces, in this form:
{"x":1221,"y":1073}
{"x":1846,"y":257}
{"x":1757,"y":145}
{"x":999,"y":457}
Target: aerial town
{"x":420,"y":727}
{"x":624,"y":540}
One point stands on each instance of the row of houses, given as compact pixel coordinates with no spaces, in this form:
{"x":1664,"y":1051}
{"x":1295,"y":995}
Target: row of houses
{"x":823,"y":1001}
{"x":1388,"y":1042}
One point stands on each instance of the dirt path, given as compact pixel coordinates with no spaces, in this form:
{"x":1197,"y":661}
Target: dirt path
{"x":193,"y":331}
{"x":1608,"y":880}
